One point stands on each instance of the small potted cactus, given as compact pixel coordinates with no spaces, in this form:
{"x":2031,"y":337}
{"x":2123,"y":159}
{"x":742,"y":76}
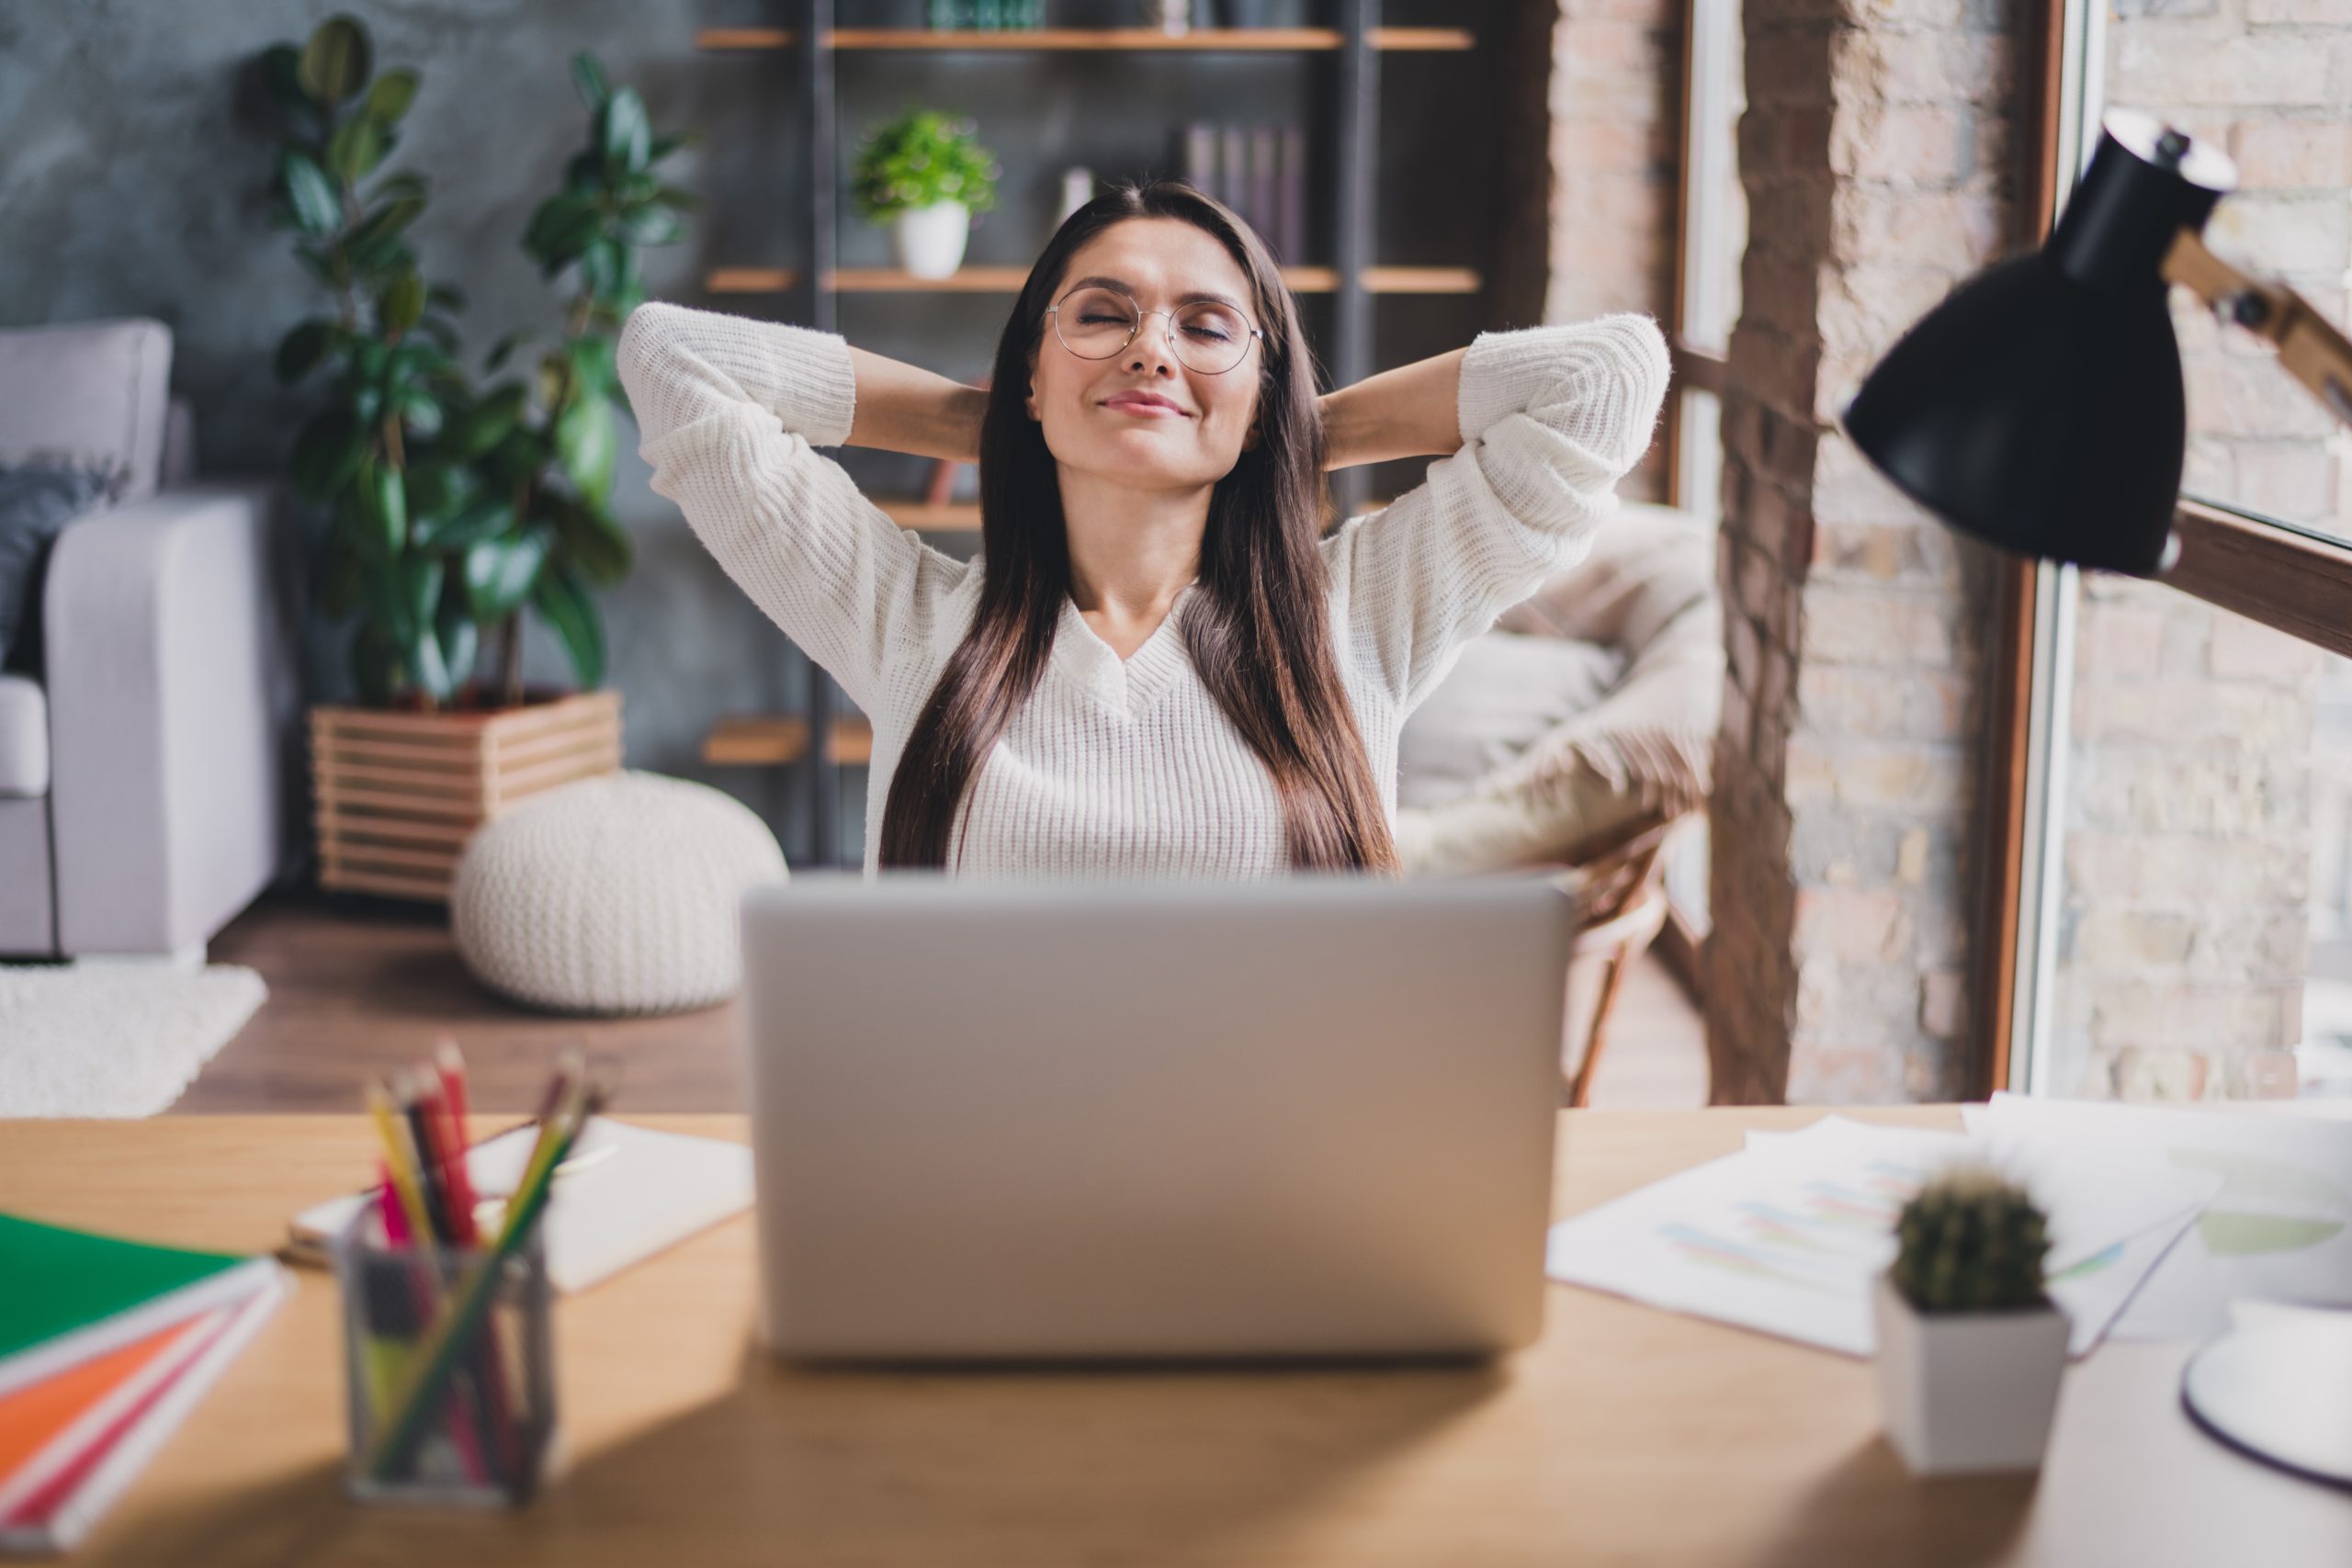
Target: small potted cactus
{"x":1970,"y":1349}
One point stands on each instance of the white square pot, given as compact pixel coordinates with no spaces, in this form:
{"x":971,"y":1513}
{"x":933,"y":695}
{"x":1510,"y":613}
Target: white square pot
{"x":1964,"y":1391}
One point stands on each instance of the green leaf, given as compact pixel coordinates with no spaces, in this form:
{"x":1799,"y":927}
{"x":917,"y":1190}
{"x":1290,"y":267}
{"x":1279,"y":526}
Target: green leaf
{"x":310,"y":195}
{"x":593,"y":541}
{"x":485,"y":519}
{"x":317,"y":264}
{"x":623,"y":133}
{"x":389,"y":98}
{"x":337,"y":60}
{"x":652,"y":226}
{"x":403,"y":303}
{"x":486,"y":424}
{"x":586,"y":444}
{"x":447,"y":296}
{"x":384,"y":502}
{"x":419,"y":412}
{"x":564,"y":599}
{"x":503,"y":348}
{"x":460,"y":637}
{"x":592,"y":369}
{"x":357,"y":147}
{"x":402,"y":186}
{"x":678,"y":198}
{"x":327,"y":455}
{"x":604,"y":266}
{"x":438,"y":490}
{"x":559,"y":229}
{"x":589,"y":78}
{"x":383,"y":227}
{"x":304,"y":349}
{"x":665,"y":145}
{"x":281,"y":72}
{"x":501,"y":573}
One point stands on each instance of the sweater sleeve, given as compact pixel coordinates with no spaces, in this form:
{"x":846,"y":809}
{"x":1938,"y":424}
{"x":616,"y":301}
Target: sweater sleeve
{"x":1551,"y":418}
{"x":731,"y":411}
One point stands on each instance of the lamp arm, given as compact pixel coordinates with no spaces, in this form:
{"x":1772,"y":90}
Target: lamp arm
{"x":2310,"y":348}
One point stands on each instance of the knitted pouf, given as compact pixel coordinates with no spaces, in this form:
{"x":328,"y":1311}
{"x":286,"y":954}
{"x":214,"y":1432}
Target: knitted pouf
{"x":614,"y":895}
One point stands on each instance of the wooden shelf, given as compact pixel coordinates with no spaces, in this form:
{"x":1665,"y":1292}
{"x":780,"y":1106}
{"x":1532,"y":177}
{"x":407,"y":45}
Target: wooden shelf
{"x":1008,"y":280}
{"x":752,"y":739}
{"x":1226,"y":41}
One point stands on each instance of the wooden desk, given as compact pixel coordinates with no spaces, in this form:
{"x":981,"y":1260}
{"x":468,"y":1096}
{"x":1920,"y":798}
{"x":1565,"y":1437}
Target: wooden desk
{"x":1629,"y":1435}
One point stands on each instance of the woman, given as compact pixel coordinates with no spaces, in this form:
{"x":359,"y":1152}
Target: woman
{"x":1156,"y":667}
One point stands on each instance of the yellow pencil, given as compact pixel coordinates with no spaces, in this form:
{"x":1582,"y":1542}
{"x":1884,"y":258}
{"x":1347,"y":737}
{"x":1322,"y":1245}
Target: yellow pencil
{"x":398,"y":1161}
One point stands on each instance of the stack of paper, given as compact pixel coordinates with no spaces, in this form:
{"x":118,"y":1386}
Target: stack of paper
{"x":104,"y":1346}
{"x":625,"y":1193}
{"x":2279,"y":1227}
{"x":1788,"y":1235}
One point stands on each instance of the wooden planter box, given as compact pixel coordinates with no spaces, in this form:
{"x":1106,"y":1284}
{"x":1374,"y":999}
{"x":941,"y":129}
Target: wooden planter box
{"x":396,"y":795}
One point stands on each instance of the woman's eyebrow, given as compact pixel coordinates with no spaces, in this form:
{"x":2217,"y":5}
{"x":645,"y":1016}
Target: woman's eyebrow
{"x":1123,"y":287}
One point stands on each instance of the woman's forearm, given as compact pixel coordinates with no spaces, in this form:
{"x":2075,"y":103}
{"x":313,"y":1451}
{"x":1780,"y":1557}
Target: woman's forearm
{"x":903,"y":409}
{"x":1409,"y":412}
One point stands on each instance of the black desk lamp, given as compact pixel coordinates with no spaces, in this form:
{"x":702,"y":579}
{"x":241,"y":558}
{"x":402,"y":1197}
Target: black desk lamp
{"x":2040,"y":406}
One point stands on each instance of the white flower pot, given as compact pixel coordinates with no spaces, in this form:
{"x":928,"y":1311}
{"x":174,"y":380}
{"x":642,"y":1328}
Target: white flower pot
{"x":930,"y":239}
{"x":1964,"y":1391}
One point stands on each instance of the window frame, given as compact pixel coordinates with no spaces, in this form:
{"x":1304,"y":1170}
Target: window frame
{"x":2271,"y":572}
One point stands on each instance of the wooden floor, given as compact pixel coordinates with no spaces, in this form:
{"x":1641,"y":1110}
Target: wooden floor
{"x":358,"y":989}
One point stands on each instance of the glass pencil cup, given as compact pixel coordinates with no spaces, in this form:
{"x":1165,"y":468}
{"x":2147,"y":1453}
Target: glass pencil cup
{"x":448,"y":1366}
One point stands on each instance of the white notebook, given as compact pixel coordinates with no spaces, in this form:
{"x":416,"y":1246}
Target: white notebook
{"x":623,"y":1195}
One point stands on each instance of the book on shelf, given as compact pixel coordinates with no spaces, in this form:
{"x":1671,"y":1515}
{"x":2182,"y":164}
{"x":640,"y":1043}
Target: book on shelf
{"x":1259,"y":171}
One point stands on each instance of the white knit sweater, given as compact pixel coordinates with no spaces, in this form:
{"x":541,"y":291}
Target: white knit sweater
{"x":1127,"y":767}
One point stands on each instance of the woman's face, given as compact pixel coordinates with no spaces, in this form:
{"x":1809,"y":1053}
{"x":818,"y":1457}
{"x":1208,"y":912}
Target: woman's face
{"x":1160,"y":263}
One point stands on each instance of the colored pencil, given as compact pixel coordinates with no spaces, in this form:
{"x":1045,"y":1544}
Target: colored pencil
{"x":462,"y":1314}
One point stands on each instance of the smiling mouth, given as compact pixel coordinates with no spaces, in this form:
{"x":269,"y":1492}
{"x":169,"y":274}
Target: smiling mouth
{"x":1148,"y":411}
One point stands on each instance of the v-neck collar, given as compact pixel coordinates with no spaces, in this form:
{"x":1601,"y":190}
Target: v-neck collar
{"x":1128,"y":683}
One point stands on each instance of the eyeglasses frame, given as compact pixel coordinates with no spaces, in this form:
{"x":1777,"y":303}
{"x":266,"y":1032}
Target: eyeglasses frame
{"x":1054,"y":310}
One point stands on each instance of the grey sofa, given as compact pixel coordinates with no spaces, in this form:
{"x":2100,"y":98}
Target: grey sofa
{"x":144,"y":779}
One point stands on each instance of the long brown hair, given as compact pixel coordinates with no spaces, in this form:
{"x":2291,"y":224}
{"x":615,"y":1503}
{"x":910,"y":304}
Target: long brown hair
{"x":1258,"y":631}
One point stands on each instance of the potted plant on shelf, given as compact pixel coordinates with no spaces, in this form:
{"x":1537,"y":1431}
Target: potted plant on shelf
{"x":1969,"y":1349}
{"x":925,"y":177}
{"x":453,"y":508}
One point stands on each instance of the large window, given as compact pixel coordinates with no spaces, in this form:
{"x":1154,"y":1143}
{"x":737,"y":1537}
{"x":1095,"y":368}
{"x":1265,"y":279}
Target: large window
{"x":1714,"y":234}
{"x":1711,"y":235}
{"x":2191,"y":877}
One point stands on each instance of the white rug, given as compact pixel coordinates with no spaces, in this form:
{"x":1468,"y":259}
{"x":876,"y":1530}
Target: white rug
{"x":113,"y":1041}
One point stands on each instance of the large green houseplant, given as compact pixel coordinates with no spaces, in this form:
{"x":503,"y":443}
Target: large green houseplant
{"x":454,"y":506}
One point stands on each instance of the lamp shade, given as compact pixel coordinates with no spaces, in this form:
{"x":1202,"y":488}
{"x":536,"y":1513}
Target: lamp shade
{"x":2039,"y":407}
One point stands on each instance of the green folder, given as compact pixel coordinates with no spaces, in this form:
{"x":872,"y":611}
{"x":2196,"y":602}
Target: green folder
{"x":67,"y":1295}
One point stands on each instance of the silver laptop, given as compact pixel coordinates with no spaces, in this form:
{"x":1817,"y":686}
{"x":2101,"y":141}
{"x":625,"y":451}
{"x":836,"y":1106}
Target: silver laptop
{"x":1310,"y":1117}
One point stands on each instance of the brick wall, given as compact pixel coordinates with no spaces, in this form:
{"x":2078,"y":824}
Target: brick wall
{"x":1876,"y":153}
{"x":2183,"y":937}
{"x":1591,"y":199}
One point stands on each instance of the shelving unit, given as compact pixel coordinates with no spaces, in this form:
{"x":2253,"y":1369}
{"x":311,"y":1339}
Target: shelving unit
{"x":1352,"y":279}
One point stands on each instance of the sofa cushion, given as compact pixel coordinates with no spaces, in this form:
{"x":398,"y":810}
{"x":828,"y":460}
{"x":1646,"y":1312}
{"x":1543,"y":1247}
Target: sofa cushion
{"x":24,"y":738}
{"x":37,"y":500}
{"x":1643,"y":753}
{"x":97,"y":390}
{"x":1505,"y":693}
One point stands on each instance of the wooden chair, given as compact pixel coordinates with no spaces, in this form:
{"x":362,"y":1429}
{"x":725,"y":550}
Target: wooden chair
{"x":1622,"y":890}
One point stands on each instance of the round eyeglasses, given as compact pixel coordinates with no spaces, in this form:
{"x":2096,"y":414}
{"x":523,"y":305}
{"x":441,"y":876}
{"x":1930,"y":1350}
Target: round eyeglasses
{"x":1095,"y":322}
